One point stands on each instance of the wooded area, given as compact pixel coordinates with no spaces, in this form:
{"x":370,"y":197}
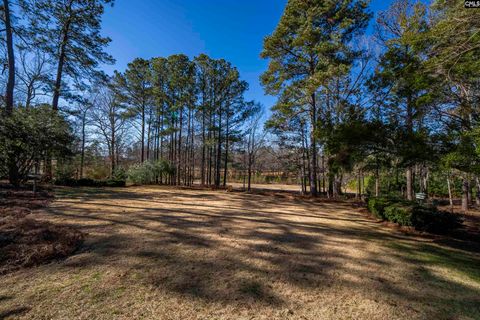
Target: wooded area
{"x":163,"y":190}
{"x":391,"y":113}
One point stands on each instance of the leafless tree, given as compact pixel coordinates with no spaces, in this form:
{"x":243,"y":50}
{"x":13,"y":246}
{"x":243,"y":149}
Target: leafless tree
{"x":254,"y":141}
{"x":110,"y":122}
{"x":32,"y":74}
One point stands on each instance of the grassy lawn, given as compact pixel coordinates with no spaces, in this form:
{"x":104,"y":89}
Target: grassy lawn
{"x":162,"y":253}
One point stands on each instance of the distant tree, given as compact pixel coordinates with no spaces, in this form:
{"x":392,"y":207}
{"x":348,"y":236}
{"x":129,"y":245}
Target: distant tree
{"x":454,"y":61}
{"x":402,"y":76}
{"x":310,"y":46}
{"x":109,"y":120}
{"x":181,"y":92}
{"x":254,"y":140}
{"x":33,"y":75}
{"x":134,"y":88}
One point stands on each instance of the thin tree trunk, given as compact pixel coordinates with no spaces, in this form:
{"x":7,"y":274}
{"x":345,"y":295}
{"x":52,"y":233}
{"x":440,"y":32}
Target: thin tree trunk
{"x":477,"y":197}
{"x":465,"y":203}
{"x":82,"y":154}
{"x":149,"y":136}
{"x":142,"y":156}
{"x":179,"y":148}
{"x":112,"y":160}
{"x":202,"y":174}
{"x":226,"y":154}
{"x":450,"y":195}
{"x":250,"y":164}
{"x":219,"y":150}
{"x":313,"y":145}
{"x":470,"y":192}
{"x":359,"y":186}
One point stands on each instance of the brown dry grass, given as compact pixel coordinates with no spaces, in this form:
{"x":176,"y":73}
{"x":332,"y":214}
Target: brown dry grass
{"x":161,"y":253}
{"x":26,"y":242}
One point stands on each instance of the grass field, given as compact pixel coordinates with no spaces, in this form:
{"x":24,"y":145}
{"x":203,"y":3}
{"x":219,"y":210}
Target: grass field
{"x":162,"y":253}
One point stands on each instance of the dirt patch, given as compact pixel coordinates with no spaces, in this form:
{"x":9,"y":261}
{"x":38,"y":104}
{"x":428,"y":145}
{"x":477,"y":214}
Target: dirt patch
{"x":24,"y":241}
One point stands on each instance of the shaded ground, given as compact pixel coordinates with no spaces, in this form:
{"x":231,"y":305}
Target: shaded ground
{"x":161,"y":253}
{"x":26,"y":242}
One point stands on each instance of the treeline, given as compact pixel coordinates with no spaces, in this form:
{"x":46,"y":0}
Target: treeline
{"x":189,"y":113}
{"x":401,"y":107}
{"x":63,"y":118}
{"x":392,"y":113}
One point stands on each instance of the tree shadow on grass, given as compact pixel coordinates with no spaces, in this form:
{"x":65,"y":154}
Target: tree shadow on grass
{"x":15,"y":312}
{"x":242,"y":251}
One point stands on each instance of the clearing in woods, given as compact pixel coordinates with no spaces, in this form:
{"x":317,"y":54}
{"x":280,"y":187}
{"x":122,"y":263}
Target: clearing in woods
{"x":164,"y":253}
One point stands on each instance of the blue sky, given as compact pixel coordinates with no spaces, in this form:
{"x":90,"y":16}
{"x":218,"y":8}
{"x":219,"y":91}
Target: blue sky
{"x":229,"y":29}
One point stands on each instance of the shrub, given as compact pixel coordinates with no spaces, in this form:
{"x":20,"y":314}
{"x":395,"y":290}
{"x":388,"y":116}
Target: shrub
{"x":115,"y":183}
{"x":401,"y":213}
{"x":84,"y":182}
{"x":141,"y":173}
{"x":148,"y":172}
{"x":28,"y":136}
{"x":120,"y":175}
{"x":65,"y":170}
{"x":377,"y":205}
{"x":407,"y":213}
{"x":69,"y":182}
{"x":432,"y":220}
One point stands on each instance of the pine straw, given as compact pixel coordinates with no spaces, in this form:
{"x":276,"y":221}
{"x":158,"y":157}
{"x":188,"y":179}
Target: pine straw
{"x":26,"y":242}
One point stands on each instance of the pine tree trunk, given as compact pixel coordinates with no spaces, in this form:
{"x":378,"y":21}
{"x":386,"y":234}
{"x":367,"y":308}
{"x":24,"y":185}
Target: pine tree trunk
{"x":13,"y":173}
{"x":149,"y":135}
{"x":202,"y":174}
{"x":82,"y":153}
{"x":250,"y":164}
{"x":465,"y":203}
{"x":409,"y":176}
{"x":113,"y":158}
{"x":450,"y":195}
{"x":477,"y":198}
{"x":60,"y":65}
{"x":304,"y":170}
{"x":470,"y":192}
{"x":225,"y":169}
{"x":142,"y":156}
{"x":11,"y":59}
{"x":219,"y":150}
{"x":313,"y":145}
{"x":359,"y":186}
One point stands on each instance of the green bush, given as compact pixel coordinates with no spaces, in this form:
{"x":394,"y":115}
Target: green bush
{"x":377,"y":205}
{"x":84,"y":182}
{"x":401,"y":213}
{"x":65,"y":170}
{"x":120,"y":175}
{"x":408,"y":213}
{"x":432,"y":220}
{"x":115,"y":183}
{"x":148,"y":172}
{"x":30,"y":135}
{"x":69,"y":182}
